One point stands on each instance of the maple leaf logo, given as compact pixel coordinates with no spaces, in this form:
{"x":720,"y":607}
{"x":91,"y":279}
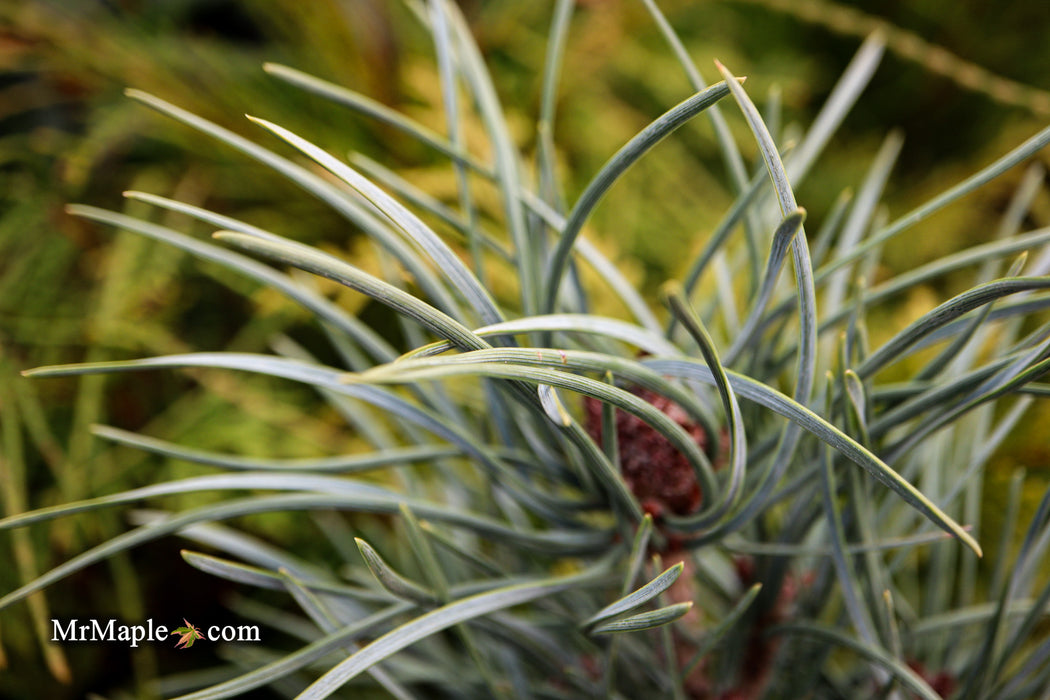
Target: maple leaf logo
{"x":189,"y":633}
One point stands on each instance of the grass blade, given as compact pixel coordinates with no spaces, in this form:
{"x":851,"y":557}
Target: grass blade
{"x":432,"y":623}
{"x":341,"y":464}
{"x":645,"y":621}
{"x":907,"y":677}
{"x":437,"y":250}
{"x":782,"y":238}
{"x":979,"y":179}
{"x":737,"y":434}
{"x":613,"y":169}
{"x":332,"y":268}
{"x":396,"y":584}
{"x":312,"y":301}
{"x":328,"y":193}
{"x":753,"y":390}
{"x":507,"y":162}
{"x":640,"y":597}
{"x":950,"y":310}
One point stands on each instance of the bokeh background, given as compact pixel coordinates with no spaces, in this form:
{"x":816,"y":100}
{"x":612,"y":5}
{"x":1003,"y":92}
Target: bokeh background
{"x":963,"y":81}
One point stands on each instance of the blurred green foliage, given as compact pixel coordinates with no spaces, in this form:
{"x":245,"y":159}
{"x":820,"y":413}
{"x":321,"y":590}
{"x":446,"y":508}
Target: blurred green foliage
{"x":73,"y":292}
